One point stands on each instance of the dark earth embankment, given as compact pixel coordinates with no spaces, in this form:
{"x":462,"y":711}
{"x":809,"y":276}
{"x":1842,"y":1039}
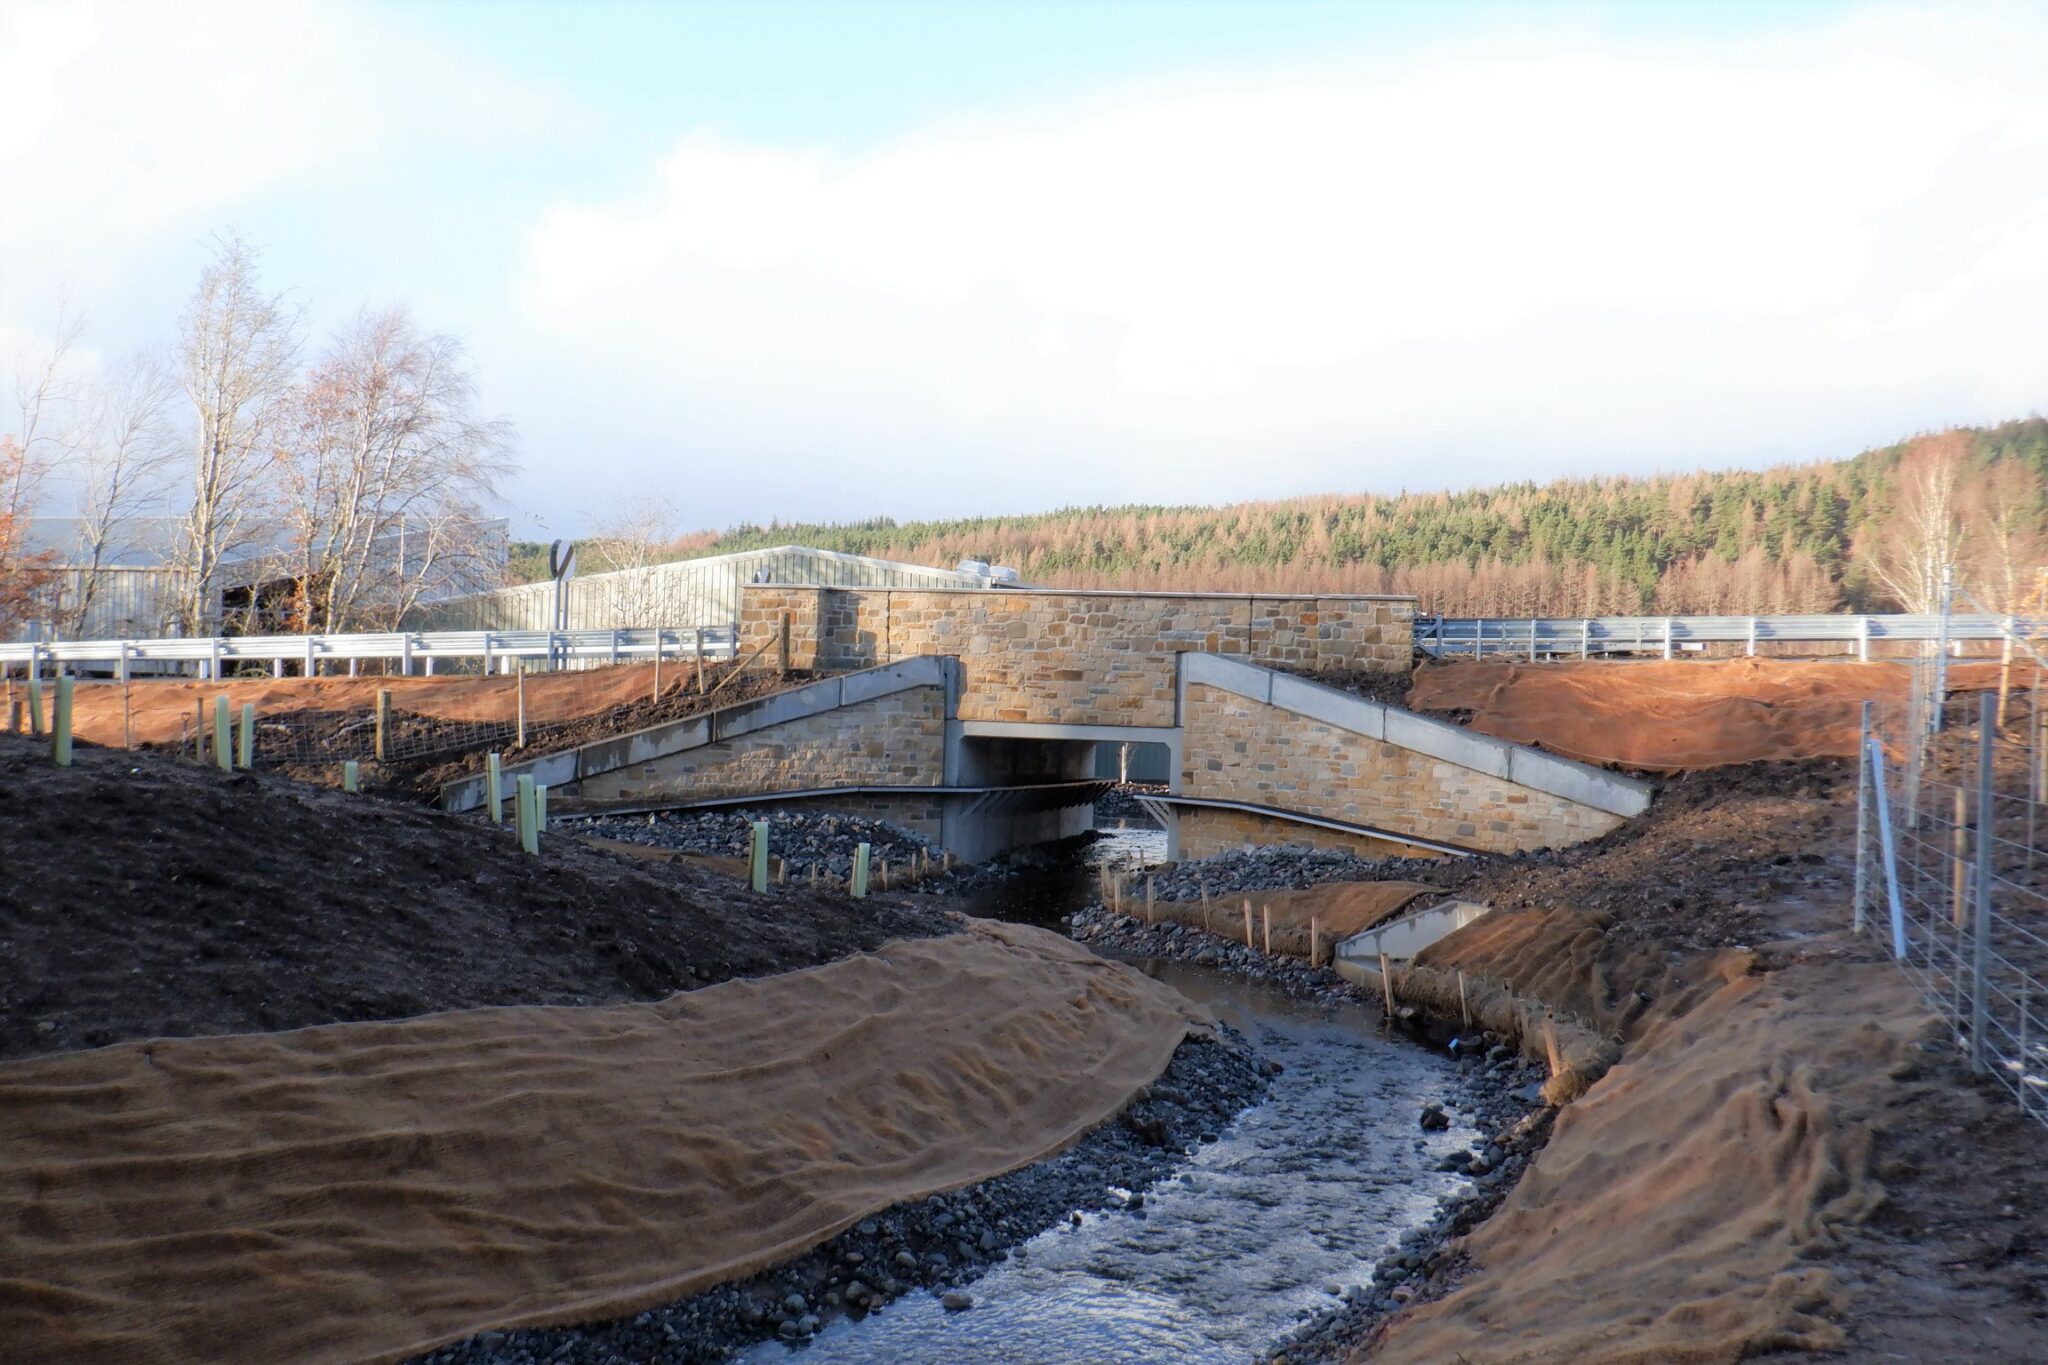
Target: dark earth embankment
{"x":149,"y":897}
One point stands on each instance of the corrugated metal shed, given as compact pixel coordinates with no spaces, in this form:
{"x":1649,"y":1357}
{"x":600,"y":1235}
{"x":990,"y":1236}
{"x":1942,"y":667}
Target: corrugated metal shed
{"x":682,"y":593}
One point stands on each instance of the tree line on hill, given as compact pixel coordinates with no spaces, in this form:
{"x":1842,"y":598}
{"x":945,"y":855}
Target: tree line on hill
{"x":1867,"y":534}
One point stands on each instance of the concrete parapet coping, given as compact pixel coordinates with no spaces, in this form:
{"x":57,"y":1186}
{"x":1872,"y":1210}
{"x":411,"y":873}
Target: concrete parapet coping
{"x":1093,"y":592}
{"x":1517,"y":763}
{"x":694,"y":732}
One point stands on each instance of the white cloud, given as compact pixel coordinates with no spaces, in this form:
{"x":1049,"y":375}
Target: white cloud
{"x":1534,"y":250}
{"x":128,"y":131}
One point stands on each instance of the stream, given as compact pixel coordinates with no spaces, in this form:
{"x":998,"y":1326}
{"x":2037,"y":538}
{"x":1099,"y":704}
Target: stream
{"x":1299,"y":1198}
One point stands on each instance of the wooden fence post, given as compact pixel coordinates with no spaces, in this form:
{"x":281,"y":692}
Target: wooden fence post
{"x":383,"y":749}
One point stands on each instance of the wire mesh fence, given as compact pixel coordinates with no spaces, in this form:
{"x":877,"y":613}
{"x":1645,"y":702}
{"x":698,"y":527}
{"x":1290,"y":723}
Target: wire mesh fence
{"x":1950,"y":864}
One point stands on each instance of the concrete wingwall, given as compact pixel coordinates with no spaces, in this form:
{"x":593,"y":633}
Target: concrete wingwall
{"x":1074,"y":657}
{"x":1264,"y":739}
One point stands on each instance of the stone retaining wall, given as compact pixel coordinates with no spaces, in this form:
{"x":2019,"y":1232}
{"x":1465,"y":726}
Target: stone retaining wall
{"x":1073,"y":658}
{"x":1205,"y":832}
{"x":894,"y":740}
{"x":1237,"y":749}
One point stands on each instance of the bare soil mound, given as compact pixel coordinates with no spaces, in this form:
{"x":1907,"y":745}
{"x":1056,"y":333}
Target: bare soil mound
{"x":1676,"y":716}
{"x":146,"y":897}
{"x":411,"y":1183}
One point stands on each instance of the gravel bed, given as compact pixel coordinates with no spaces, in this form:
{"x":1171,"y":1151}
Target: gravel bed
{"x":805,"y":839}
{"x":940,"y":1244}
{"x":1499,"y":1094}
{"x":1280,"y":869}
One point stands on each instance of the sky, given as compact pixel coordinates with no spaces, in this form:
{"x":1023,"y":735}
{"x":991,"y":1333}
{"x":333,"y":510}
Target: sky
{"x":802,"y":261}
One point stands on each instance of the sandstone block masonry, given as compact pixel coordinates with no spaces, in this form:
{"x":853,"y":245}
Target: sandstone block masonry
{"x":894,"y":740}
{"x":1239,"y":749}
{"x":1205,"y":833}
{"x":1070,"y":657}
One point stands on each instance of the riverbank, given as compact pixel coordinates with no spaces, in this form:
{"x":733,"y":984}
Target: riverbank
{"x":941,"y":1244}
{"x":1777,"y":1152}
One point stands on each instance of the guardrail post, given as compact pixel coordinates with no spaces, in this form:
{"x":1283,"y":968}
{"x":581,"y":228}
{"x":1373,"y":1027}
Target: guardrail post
{"x":1980,"y":1014}
{"x":213,"y":660}
{"x":1863,"y":639}
{"x":1667,"y":637}
{"x":405,"y":655}
{"x":1752,"y":637}
{"x":615,"y":646}
{"x":1585,"y":639}
{"x":312,"y":664}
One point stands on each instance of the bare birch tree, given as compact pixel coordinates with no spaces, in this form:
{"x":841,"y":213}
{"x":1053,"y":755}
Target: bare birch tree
{"x":237,"y":353}
{"x":634,"y":539}
{"x":2009,"y":544}
{"x":385,"y":475}
{"x":27,"y":455}
{"x":1922,"y":538}
{"x":124,"y":462}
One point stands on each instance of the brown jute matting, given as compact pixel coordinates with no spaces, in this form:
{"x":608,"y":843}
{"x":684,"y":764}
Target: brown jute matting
{"x":360,"y":1192}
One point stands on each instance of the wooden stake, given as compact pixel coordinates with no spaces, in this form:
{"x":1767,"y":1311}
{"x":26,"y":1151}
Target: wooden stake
{"x":1387,"y":983}
{"x":1266,"y":922}
{"x":522,"y":814}
{"x":383,"y":745}
{"x":699,"y":635}
{"x":1464,"y":1008}
{"x":1315,"y":941}
{"x":1149,"y":909}
{"x":245,"y":749}
{"x":2004,"y":677}
{"x":518,"y":688}
{"x":783,"y":657}
{"x":199,"y":730}
{"x":1247,"y":924}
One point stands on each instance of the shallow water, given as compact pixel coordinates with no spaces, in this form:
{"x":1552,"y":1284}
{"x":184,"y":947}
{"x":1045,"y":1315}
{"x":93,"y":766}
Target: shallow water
{"x":1304,"y":1192}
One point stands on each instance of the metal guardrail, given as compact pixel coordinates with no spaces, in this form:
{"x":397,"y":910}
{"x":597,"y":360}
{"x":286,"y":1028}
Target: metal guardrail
{"x":409,"y":649}
{"x":1586,"y":637}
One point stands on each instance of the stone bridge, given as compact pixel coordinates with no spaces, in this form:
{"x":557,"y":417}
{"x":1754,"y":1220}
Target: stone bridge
{"x":974,"y":717}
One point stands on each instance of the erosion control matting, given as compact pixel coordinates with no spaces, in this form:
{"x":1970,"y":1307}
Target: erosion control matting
{"x":1685,"y":1207}
{"x":365,"y":1191}
{"x":1659,"y":716}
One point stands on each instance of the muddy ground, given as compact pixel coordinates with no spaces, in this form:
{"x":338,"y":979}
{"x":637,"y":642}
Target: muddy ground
{"x":141,"y":896}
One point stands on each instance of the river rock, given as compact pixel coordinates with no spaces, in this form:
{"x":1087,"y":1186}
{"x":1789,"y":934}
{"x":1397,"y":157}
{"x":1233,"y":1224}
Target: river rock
{"x":956,"y":1300}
